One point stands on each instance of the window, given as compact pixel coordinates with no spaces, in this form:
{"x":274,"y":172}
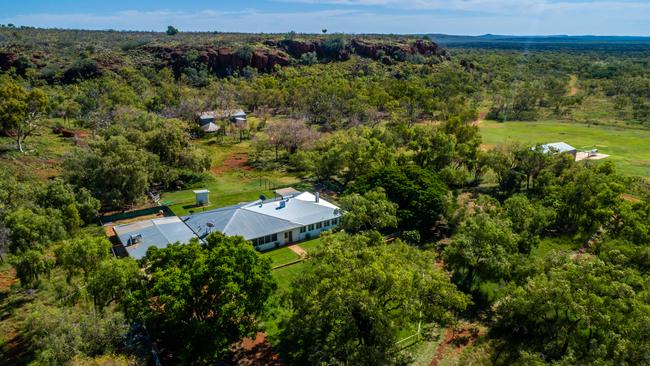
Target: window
{"x":286,"y":235}
{"x":319,"y":225}
{"x":311,"y":227}
{"x":274,"y":237}
{"x":335,"y":221}
{"x":267,"y":239}
{"x":303,"y":229}
{"x":326,"y":223}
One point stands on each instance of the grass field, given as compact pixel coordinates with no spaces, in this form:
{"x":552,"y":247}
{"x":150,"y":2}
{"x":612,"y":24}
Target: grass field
{"x":233,"y":182}
{"x":628,"y":148}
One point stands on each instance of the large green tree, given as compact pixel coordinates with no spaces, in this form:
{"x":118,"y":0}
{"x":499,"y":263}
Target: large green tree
{"x":114,"y":170}
{"x":370,"y":211}
{"x":207,"y":295}
{"x":485,"y":249}
{"x":419,"y":194}
{"x":356,"y":297}
{"x":577,"y":311}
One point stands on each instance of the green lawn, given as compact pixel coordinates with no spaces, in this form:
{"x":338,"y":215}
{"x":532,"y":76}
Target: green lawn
{"x":311,"y":245}
{"x":285,"y":275}
{"x":281,"y":256}
{"x":628,"y":148}
{"x":560,"y":244}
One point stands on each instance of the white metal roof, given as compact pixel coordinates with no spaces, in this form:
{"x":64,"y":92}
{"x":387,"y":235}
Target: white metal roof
{"x":260,"y":218}
{"x":210,"y":127}
{"x":158,"y":232}
{"x":558,"y":146}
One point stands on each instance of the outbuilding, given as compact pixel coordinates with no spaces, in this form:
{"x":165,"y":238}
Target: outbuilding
{"x":559,"y":147}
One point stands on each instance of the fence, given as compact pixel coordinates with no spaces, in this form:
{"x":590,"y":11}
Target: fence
{"x":133,"y":214}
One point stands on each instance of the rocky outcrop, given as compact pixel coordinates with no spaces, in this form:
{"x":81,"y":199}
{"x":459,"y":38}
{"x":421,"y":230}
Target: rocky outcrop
{"x":287,"y":51}
{"x":7,"y":59}
{"x":220,"y":59}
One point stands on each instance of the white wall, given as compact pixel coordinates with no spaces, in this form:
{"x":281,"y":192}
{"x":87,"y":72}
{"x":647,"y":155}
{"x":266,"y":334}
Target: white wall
{"x":297,"y":237}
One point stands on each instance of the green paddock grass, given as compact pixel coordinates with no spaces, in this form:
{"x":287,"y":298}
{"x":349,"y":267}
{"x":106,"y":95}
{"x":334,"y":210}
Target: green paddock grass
{"x":228,"y":189}
{"x":281,"y":256}
{"x":628,"y":148}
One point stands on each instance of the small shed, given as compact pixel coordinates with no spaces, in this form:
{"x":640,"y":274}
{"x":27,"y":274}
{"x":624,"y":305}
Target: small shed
{"x":202,"y":197}
{"x":206,"y":118}
{"x":238,"y":116}
{"x":210,"y":127}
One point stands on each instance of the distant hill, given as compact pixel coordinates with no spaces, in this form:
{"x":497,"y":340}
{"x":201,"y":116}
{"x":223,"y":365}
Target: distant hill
{"x":550,"y":42}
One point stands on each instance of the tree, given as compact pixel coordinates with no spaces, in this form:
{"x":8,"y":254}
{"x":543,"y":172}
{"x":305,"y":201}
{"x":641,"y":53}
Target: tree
{"x":356,"y":298}
{"x":75,"y":206}
{"x":58,"y":334}
{"x":585,"y":197}
{"x":30,"y":265}
{"x":21,"y":111}
{"x":419,"y":194}
{"x":577,"y":311}
{"x":527,"y":219}
{"x":33,"y":228}
{"x":485,"y":249}
{"x":290,"y":135}
{"x":171,"y":31}
{"x":208,"y":295}
{"x":113,"y":280}
{"x":82,"y":255}
{"x":370,"y":211}
{"x":346,"y":155}
{"x":114,"y":170}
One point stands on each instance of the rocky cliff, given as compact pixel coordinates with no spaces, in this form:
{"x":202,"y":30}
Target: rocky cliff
{"x":286,"y":52}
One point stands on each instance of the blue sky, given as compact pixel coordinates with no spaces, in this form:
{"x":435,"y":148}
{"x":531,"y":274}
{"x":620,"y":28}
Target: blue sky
{"x":473,"y":17}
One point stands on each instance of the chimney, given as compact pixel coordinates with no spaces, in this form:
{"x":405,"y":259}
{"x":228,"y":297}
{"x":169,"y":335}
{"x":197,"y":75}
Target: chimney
{"x":317,"y":197}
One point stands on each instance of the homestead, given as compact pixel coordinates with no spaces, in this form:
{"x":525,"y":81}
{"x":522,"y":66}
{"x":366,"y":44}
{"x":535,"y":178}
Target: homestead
{"x":269,"y":223}
{"x":291,"y":217}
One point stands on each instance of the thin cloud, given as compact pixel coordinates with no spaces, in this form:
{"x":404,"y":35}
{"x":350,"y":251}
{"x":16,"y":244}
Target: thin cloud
{"x":601,"y":18}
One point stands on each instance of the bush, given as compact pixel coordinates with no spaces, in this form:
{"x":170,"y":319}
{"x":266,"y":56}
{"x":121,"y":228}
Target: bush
{"x":61,"y":334}
{"x":333,"y":46}
{"x":82,"y":69}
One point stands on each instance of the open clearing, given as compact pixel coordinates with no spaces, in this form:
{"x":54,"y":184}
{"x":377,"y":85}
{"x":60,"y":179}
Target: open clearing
{"x":628,"y":148}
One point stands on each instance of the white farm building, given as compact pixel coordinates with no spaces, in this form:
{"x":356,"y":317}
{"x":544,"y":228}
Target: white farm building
{"x":294,"y":216}
{"x":269,"y":223}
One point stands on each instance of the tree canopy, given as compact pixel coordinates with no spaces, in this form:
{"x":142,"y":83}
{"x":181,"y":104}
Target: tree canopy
{"x":359,"y":294}
{"x":208,"y":295}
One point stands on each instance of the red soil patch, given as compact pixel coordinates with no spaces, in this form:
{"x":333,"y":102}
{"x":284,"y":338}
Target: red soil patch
{"x":7,"y":278}
{"x":630,"y":198}
{"x":233,"y":162}
{"x":457,"y":342}
{"x":255,"y":352}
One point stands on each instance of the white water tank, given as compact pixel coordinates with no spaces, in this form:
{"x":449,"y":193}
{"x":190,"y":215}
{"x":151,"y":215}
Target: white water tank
{"x":202,"y":197}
